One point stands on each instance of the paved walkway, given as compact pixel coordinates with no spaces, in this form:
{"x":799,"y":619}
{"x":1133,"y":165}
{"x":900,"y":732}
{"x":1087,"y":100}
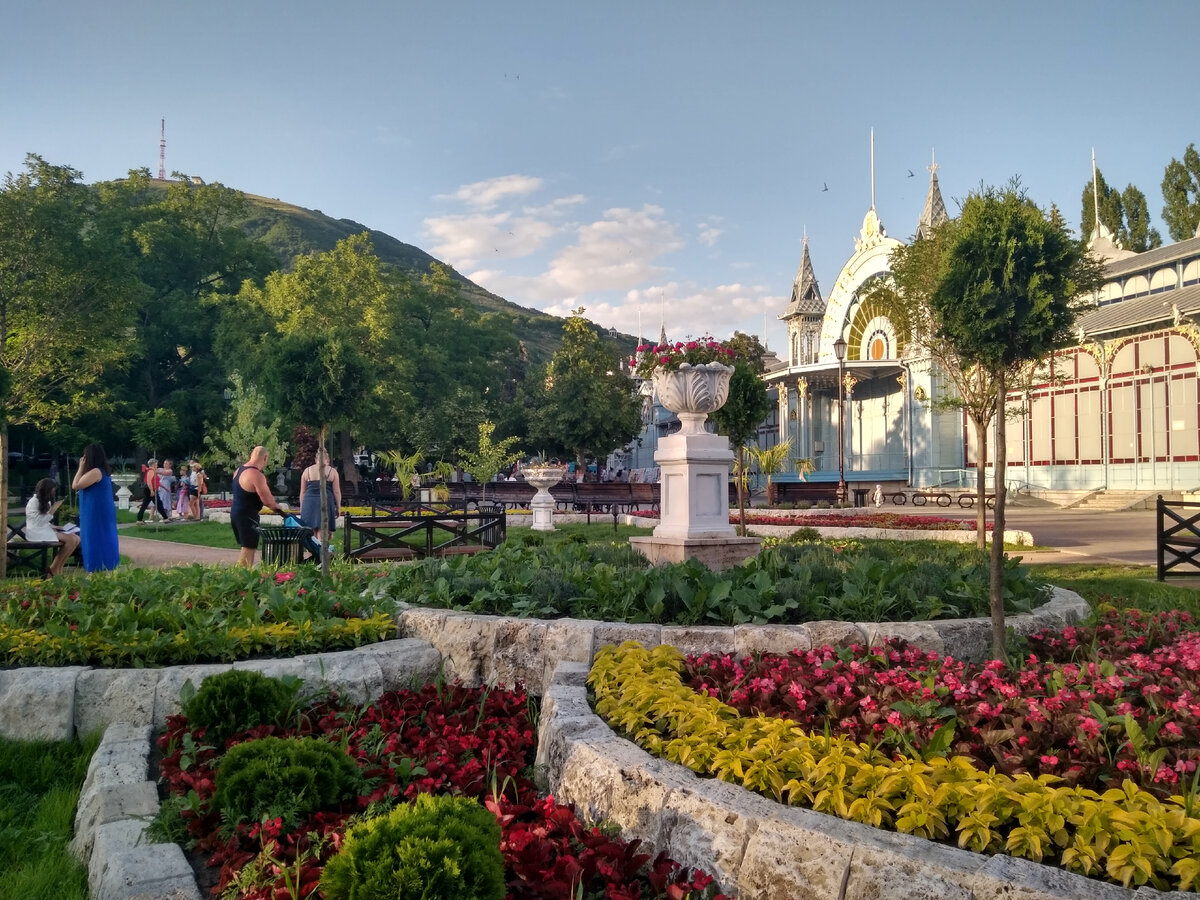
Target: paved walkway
{"x":1076,"y":536}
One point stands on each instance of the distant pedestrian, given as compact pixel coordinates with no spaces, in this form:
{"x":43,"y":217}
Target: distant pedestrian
{"x":197,"y":488}
{"x":97,"y":511}
{"x":150,"y":479}
{"x":166,"y":487}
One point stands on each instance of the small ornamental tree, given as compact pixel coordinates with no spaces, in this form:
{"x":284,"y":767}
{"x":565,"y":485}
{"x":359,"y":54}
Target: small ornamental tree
{"x":1002,"y":299}
{"x":747,"y":406}
{"x":485,"y":462}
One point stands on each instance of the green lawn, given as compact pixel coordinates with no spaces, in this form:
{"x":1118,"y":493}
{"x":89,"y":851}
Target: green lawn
{"x":1123,"y":586}
{"x":39,"y":786}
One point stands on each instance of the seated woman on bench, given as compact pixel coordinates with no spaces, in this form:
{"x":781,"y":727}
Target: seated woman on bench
{"x":40,"y":527}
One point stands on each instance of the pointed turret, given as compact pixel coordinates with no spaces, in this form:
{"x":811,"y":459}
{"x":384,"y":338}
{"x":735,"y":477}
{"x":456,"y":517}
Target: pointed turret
{"x":934,"y":213}
{"x":806,"y":293}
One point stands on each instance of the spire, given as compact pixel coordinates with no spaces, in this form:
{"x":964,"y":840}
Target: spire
{"x":934,"y":213}
{"x":806,"y":293}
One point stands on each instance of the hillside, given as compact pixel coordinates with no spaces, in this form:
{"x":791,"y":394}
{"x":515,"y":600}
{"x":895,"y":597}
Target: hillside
{"x":293,"y":230}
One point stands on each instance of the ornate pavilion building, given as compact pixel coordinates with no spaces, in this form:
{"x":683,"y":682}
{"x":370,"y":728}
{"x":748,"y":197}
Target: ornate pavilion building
{"x":1119,"y":410}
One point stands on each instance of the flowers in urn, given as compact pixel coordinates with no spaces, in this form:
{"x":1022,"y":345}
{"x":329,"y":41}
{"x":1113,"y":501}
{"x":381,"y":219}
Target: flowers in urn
{"x":669,"y":357}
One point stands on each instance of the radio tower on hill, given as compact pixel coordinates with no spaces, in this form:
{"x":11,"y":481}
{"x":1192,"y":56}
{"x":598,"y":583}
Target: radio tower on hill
{"x":162,"y":153}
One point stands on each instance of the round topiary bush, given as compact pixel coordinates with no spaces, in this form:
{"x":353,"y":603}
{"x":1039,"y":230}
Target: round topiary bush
{"x":437,"y":848}
{"x":287,"y":778}
{"x":230,"y":702}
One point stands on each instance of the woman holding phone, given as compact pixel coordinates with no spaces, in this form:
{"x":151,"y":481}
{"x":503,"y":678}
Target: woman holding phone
{"x":39,"y":524}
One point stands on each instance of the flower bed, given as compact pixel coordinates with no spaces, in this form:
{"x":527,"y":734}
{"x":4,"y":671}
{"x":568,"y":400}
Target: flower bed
{"x":885,"y":520}
{"x":440,"y":740}
{"x":1135,"y":714}
{"x":1125,"y":834}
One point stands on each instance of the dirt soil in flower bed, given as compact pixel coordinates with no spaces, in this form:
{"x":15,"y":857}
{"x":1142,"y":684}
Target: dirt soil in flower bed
{"x":1091,"y":705}
{"x":440,"y":739}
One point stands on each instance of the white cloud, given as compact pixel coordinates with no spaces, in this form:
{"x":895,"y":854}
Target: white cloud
{"x":464,"y":241}
{"x":487,"y":194}
{"x":615,"y":252}
{"x":693,"y":311}
{"x":708,"y":235}
{"x":555,"y":207}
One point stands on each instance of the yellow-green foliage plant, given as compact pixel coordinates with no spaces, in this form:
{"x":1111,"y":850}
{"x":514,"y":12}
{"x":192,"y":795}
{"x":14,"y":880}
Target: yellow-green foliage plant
{"x":1124,"y":835}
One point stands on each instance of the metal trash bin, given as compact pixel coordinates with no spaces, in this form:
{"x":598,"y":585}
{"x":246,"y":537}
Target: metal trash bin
{"x":282,"y":546}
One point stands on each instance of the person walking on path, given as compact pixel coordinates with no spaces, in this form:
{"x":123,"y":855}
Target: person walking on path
{"x":197,"y":488}
{"x":250,"y":494}
{"x":97,"y":511}
{"x":166,"y":488}
{"x":150,"y":478}
{"x":310,"y":496}
{"x":39,"y":524}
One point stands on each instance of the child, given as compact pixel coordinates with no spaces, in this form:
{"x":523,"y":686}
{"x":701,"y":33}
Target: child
{"x":182,"y":509}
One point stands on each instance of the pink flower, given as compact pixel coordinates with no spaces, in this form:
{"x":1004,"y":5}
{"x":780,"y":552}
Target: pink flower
{"x":1048,"y":760}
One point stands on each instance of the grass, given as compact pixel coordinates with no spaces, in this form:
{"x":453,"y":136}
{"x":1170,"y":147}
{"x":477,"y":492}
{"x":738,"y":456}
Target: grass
{"x":39,"y":789}
{"x":1123,"y":586}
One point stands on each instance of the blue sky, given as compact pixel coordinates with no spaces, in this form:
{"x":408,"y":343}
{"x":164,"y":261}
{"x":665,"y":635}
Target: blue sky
{"x":623,"y":157}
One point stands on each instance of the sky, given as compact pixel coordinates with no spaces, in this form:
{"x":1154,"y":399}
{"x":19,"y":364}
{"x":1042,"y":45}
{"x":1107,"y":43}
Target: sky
{"x":656,"y":163}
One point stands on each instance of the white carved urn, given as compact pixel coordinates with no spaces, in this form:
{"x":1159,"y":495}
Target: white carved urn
{"x":123,"y":481}
{"x":542,"y":505}
{"x":692,"y":392}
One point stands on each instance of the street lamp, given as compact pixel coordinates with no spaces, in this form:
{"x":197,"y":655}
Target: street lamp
{"x":839,"y":350}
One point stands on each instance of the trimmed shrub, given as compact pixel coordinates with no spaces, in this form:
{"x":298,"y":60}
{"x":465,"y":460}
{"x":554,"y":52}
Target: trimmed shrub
{"x":287,"y":778}
{"x":233,"y":701}
{"x":437,"y":848}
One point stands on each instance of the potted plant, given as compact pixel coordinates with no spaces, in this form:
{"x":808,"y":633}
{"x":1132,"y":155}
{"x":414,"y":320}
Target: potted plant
{"x":690,"y":378}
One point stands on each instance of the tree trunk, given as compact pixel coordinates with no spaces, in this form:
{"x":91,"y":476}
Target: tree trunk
{"x":321,"y":473}
{"x":981,"y":458}
{"x":349,"y":469}
{"x":4,"y":497}
{"x":996,"y":584}
{"x":741,"y":486}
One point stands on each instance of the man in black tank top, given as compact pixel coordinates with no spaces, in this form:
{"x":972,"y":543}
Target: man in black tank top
{"x":250,"y":495}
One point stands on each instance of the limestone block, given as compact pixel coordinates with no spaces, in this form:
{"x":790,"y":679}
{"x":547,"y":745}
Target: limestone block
{"x":170,"y":684}
{"x":699,"y":639}
{"x":426,"y":624}
{"x":617,"y":633}
{"x":782,"y":862}
{"x":38,"y":704}
{"x":104,"y":696}
{"x":572,"y":673}
{"x":566,"y":640}
{"x":145,"y":872}
{"x":835,"y":634}
{"x":271,"y":668}
{"x":781,"y":639}
{"x":115,"y":803}
{"x":708,"y":826}
{"x":596,"y":764}
{"x":965,"y":639}
{"x":122,"y":757}
{"x":920,"y":634}
{"x":1021,"y":879}
{"x":404,"y":663}
{"x":556,"y":738}
{"x":517,"y":654}
{"x":466,"y":643}
{"x":346,"y":673}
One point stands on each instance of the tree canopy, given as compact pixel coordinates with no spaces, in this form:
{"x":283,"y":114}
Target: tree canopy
{"x":1124,"y":213}
{"x":1181,"y":194}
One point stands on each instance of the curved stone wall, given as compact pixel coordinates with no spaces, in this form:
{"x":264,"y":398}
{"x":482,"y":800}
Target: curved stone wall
{"x":761,"y":849}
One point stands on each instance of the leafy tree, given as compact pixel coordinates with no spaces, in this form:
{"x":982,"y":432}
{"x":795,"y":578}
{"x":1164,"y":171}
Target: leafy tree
{"x":156,"y":430}
{"x":314,"y":378}
{"x":64,"y":304}
{"x":1123,"y":213}
{"x":489,"y":457}
{"x":1181,"y":194}
{"x":245,"y":426}
{"x":747,"y":406}
{"x":1002,"y":299}
{"x":584,"y":405}
{"x":770,"y":460}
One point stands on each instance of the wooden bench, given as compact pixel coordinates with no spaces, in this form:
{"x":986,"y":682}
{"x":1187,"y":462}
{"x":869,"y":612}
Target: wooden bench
{"x":33,"y":557}
{"x":645,"y":495}
{"x":1178,"y":537}
{"x":810,"y":491}
{"x":398,"y":536}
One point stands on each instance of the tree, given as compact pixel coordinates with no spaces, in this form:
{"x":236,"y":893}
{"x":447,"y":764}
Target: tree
{"x":313,"y":378}
{"x":747,"y":406}
{"x":245,"y":426}
{"x":1002,"y":299}
{"x":485,"y":462}
{"x":771,"y":460}
{"x":584,"y":405}
{"x":1124,"y":213}
{"x":1181,"y":194}
{"x":65,"y":304}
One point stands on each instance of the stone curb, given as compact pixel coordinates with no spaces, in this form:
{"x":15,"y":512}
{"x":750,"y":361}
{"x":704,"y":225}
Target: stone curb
{"x":479,"y":649}
{"x":1011,"y":537}
{"x":760,"y":848}
{"x":118,"y":800}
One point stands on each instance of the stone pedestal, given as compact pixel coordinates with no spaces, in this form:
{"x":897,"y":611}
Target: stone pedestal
{"x":124,"y":495}
{"x":542,"y":505}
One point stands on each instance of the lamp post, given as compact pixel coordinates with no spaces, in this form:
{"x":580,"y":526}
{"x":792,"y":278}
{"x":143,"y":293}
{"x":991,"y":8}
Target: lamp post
{"x":839,"y":350}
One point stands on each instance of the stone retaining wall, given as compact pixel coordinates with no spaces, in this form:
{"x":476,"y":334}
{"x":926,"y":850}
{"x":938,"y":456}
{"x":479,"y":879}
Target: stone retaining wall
{"x":479,"y":649}
{"x":759,"y":848}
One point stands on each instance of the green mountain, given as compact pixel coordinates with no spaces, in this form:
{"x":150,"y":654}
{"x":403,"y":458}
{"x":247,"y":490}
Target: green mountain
{"x":292,"y":231}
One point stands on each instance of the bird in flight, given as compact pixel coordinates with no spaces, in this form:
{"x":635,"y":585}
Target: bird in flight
{"x":826,"y":186}
{"x":910,"y":173}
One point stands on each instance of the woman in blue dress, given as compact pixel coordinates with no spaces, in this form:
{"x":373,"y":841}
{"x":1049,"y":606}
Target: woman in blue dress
{"x":97,"y":510}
